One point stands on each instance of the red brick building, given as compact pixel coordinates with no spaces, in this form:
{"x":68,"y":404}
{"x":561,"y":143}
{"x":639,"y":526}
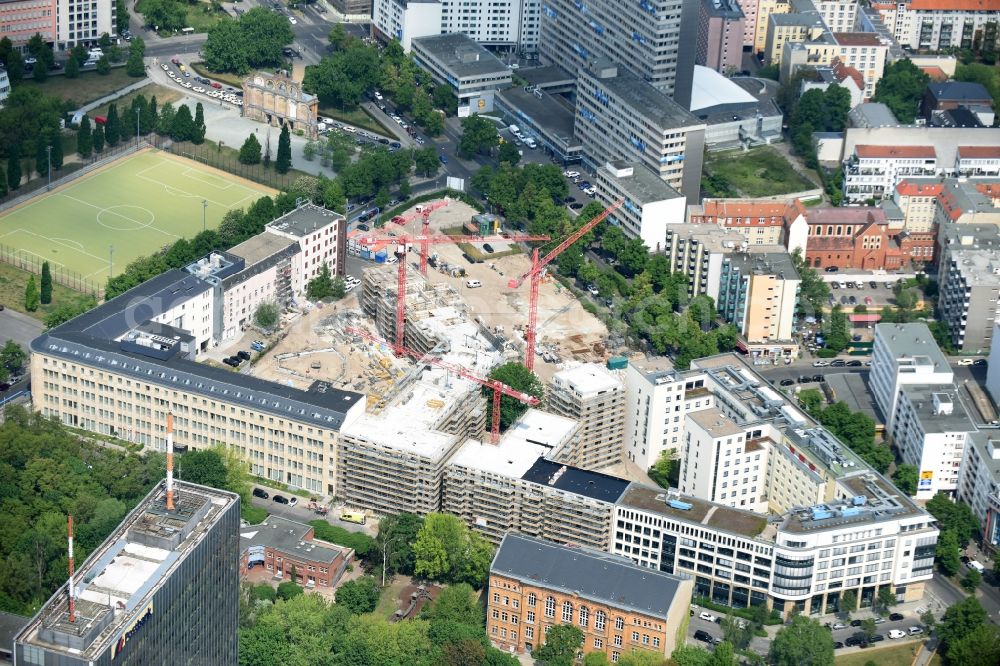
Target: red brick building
{"x":279,"y":544}
{"x":847,"y":238}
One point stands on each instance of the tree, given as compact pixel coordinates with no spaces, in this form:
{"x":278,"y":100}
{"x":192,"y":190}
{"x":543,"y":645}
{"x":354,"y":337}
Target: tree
{"x":868,"y":629}
{"x":445,"y":549}
{"x":165,"y":120}
{"x":12,"y":357}
{"x":198,"y":133}
{"x":289,"y":590}
{"x":478,"y":136}
{"x":886,"y":598}
{"x":724,"y":655}
{"x":519,"y":378}
{"x":802,"y":641}
{"x":664,"y":467}
{"x":148,"y":117}
{"x":813,"y":290}
{"x":14,"y":167}
{"x":266,"y":315}
{"x":360,"y":595}
{"x":250,"y":151}
{"x":182,"y":128}
{"x":56,"y":155}
{"x":426,"y":161}
{"x":45,"y":290}
{"x":509,"y":153}
{"x":562,"y":642}
{"x":205,"y":467}
{"x":979,"y":646}
{"x":84,"y":138}
{"x":341,"y":79}
{"x":31,"y":295}
{"x":113,"y":127}
{"x":3,"y":182}
{"x":321,"y":286}
{"x":691,"y":655}
{"x":399,"y":533}
{"x":97,"y":136}
{"x":947,"y":553}
{"x":596,"y":659}
{"x":900,"y":88}
{"x":971,"y":581}
{"x":960,"y":620}
{"x":136,"y":51}
{"x":905,"y":478}
{"x":72,"y":69}
{"x":849,"y":601}
{"x":284,"y":160}
{"x":928,"y":619}
{"x":338,"y":289}
{"x":103,"y":66}
{"x":955,"y":516}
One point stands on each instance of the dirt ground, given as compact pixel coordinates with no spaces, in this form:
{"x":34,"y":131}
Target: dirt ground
{"x":564,"y":326}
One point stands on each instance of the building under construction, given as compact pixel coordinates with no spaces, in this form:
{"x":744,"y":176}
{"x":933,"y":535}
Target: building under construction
{"x":162,"y":589}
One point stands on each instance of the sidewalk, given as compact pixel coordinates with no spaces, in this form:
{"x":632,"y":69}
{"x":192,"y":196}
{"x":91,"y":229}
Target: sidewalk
{"x":115,"y":95}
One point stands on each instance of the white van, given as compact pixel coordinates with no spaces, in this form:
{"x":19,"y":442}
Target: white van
{"x":472,"y":284}
{"x":514,"y":129}
{"x":530,"y":143}
{"x":977,"y":566}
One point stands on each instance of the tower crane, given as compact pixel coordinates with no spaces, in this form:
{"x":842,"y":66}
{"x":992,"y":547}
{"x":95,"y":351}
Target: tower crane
{"x":535,"y":276}
{"x":424,"y":242}
{"x":424,"y":214}
{"x":499,"y":388}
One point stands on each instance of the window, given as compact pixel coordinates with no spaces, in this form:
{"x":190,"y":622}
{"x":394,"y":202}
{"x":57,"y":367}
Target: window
{"x":550,"y":607}
{"x":599,"y":619}
{"x":618,"y":640}
{"x":496,"y":614}
{"x":532,"y":599}
{"x":567,"y":612}
{"x":619,"y":623}
{"x":614,"y":657}
{"x":656,"y":641}
{"x":598,"y":642}
{"x":529,"y":632}
{"x":584,"y":616}
{"x":531,"y":617}
{"x":635,"y":636}
{"x":496,"y":598}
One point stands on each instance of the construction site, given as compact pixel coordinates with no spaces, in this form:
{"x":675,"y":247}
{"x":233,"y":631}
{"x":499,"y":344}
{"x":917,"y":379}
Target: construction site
{"x":441,"y":311}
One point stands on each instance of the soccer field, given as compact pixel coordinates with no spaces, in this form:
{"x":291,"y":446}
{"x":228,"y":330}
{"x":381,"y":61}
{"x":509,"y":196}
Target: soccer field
{"x":137,"y":204}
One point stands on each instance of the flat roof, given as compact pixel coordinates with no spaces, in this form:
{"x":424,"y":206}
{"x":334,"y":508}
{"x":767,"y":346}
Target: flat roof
{"x":120,"y":576}
{"x":985,"y":441}
{"x":546,"y":75}
{"x":978,"y":266}
{"x":715,"y":422}
{"x":642,"y":98}
{"x":709,"y":514}
{"x":459,"y":54}
{"x":304,"y":220}
{"x":883,"y":501}
{"x":544,"y":111}
{"x":643,"y":186}
{"x":913,"y":340}
{"x":764,"y":260}
{"x":535,"y":435}
{"x":289,"y":536}
{"x":711,"y":236}
{"x":587,"y":379}
{"x":10,"y":626}
{"x":710,"y":88}
{"x":922,"y":397}
{"x":260,"y":247}
{"x":590,"y":574}
{"x":593,"y":485}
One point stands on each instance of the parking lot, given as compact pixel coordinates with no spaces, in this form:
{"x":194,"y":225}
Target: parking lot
{"x":873,"y":292}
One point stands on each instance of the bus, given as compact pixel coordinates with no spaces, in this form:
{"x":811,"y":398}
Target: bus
{"x":353,"y":517}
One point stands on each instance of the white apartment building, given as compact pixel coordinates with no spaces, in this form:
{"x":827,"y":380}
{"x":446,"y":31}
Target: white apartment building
{"x":865,"y":538}
{"x":322,"y":238}
{"x":936,"y":25}
{"x":4,"y":85}
{"x":651,"y":205}
{"x":84,"y":21}
{"x":510,"y":24}
{"x":978,"y":161}
{"x":654,"y":410}
{"x":917,"y":201}
{"x":698,"y":250}
{"x":979,"y":482}
{"x":405,"y":20}
{"x":839,"y":15}
{"x":872,"y":172}
{"x":904,"y":354}
{"x":758,"y":293}
{"x":619,"y":116}
{"x":594,"y":397}
{"x":993,"y":367}
{"x":931,"y":430}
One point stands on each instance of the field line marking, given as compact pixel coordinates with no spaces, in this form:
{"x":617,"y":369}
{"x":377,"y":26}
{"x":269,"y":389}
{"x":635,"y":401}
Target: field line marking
{"x":185,"y":193}
{"x":58,"y":264}
{"x":46,"y":238}
{"x":68,"y":241}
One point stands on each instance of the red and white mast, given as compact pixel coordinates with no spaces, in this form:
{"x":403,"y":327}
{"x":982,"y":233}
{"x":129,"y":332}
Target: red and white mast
{"x":170,"y":461}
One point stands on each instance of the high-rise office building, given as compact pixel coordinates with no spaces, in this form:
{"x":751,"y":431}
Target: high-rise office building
{"x":644,"y":36}
{"x":162,"y":589}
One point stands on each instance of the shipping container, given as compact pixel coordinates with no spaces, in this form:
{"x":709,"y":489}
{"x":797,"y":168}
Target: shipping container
{"x":617,"y":363}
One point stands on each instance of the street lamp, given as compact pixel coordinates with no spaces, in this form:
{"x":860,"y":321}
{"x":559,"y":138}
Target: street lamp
{"x":137,"y":126}
{"x":204,"y":207}
{"x":111,"y":261}
{"x":48,"y":155}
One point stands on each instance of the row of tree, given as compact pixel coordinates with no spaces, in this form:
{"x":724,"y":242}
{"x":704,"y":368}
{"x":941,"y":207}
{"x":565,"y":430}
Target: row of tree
{"x":250,"y":152}
{"x":256,"y":40}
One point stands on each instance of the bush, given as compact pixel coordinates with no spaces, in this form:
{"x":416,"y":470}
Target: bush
{"x":264,"y":592}
{"x":253,"y":514}
{"x":289,"y":590}
{"x":360,"y":542}
{"x":266,"y":315}
{"x":826,"y":352}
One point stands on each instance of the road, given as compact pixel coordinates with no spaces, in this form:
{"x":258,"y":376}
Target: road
{"x":775,"y":374}
{"x":18,"y":327}
{"x":301,"y":513}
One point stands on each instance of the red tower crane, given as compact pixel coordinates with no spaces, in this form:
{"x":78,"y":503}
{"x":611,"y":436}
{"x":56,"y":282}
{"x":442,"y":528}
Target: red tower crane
{"x":535,"y":275}
{"x":423,"y":212}
{"x":498,"y":387}
{"x":425,"y":242}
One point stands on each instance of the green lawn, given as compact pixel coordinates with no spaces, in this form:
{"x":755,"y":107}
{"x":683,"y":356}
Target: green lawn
{"x":85,"y":88}
{"x":760,"y":172}
{"x":163,"y":95}
{"x":138,"y":204}
{"x":233,"y":80}
{"x":901,"y":654}
{"x":13,"y":282}
{"x":200,"y":16}
{"x":359,"y":118}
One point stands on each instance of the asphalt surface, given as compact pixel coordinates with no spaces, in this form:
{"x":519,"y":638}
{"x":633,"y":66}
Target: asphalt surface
{"x":301,"y":513}
{"x":18,"y":327}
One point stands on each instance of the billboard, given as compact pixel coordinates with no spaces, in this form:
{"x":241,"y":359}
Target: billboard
{"x":131,"y":631}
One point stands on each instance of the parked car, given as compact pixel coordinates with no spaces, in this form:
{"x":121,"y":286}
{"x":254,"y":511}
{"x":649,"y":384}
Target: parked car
{"x":837,"y":645}
{"x":979,"y":361}
{"x":896,"y":633}
{"x":292,"y":501}
{"x":854,"y":364}
{"x":258,"y":492}
{"x":914,"y":631}
{"x":819,"y":378}
{"x":487,"y":248}
{"x":964,"y":361}
{"x":243,"y":354}
{"x":280,"y":499}
{"x":820,"y":364}
{"x":878,"y":638}
{"x":831,"y":269}
{"x":787,"y":382}
{"x":838,"y":363}
{"x":705,"y":615}
{"x":803,"y":379}
{"x":704,"y":636}
{"x":855,"y":623}
{"x":839,"y":626}
{"x":857,"y":640}
{"x":896,"y":617}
